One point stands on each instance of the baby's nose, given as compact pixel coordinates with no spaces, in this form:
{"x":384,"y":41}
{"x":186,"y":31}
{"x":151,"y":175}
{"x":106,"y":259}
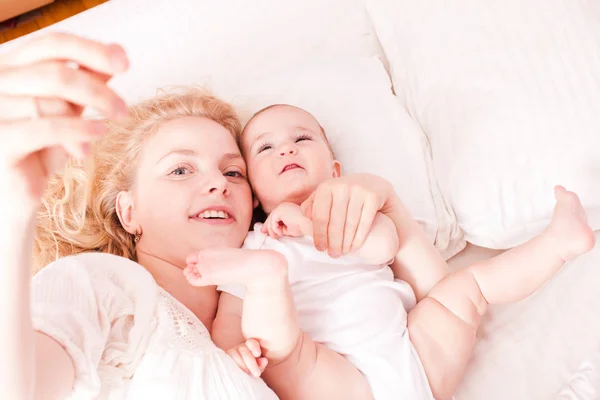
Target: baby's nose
{"x":287,"y":150}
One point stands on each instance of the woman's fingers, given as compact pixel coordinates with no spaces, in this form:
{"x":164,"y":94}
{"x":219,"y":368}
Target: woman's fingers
{"x":369,"y":211}
{"x":321,"y":211}
{"x":307,"y":206}
{"x":55,"y":79}
{"x":27,"y":136}
{"x":104,"y":58}
{"x":337,"y":220}
{"x":25,"y":107}
{"x":355,"y":208}
{"x":54,"y":158}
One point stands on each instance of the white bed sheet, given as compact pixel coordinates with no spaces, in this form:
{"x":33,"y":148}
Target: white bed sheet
{"x":545,"y":347}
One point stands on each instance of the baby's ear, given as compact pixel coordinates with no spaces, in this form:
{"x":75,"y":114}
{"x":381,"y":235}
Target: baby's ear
{"x":255,"y":202}
{"x":337,"y":169}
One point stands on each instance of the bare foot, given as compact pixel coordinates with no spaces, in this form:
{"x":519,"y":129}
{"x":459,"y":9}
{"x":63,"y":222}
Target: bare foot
{"x":569,"y":225}
{"x":252,"y":268}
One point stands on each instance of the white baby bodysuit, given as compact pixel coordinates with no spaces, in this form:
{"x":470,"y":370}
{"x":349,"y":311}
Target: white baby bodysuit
{"x":355,"y":309}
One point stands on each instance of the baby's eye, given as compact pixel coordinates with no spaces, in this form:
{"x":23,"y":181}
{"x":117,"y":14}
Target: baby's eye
{"x":264,"y":147}
{"x":303,"y":137}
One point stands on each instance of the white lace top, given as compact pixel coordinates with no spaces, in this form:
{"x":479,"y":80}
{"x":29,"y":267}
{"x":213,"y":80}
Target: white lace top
{"x":129,"y":338}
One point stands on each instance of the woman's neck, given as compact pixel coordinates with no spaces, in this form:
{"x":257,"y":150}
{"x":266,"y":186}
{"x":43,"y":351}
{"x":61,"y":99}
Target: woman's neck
{"x":202,"y":301}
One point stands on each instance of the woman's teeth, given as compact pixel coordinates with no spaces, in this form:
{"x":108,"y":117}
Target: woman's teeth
{"x":214,"y":214}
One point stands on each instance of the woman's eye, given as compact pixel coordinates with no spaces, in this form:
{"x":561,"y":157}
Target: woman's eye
{"x":234,"y":174}
{"x":180,"y":171}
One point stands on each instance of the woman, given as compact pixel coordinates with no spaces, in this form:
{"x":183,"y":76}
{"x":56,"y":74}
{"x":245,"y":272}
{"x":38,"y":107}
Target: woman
{"x":167,"y":180}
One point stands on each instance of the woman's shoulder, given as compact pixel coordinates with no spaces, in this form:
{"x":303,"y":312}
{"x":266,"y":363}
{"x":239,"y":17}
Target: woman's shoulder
{"x":99,"y":271}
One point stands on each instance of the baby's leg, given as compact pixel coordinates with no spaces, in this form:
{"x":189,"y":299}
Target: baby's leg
{"x":443,"y":326}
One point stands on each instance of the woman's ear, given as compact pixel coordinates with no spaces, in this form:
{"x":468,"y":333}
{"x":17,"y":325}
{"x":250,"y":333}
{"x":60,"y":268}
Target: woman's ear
{"x":124,"y":208}
{"x":337,"y":169}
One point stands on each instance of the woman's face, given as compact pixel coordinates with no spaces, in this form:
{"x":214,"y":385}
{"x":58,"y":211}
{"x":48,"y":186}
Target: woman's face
{"x":191,"y":190}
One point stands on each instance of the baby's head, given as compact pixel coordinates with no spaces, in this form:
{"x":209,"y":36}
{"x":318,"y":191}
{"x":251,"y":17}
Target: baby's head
{"x":287,"y":155}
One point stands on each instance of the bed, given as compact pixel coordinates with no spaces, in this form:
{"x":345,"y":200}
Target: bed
{"x":473,"y":110}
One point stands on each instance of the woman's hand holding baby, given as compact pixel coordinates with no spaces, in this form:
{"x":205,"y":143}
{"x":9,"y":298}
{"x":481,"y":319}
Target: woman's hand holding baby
{"x":343,"y":209}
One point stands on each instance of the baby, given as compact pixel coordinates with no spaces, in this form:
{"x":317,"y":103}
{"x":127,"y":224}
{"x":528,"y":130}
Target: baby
{"x":357,"y":305}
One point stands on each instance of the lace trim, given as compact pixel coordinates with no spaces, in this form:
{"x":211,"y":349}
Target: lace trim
{"x":189,"y":333}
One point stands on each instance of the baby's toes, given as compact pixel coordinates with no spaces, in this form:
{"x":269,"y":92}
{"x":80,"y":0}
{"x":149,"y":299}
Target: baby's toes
{"x":192,"y":258}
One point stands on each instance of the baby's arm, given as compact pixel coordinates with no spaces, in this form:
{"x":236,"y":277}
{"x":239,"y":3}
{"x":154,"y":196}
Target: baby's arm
{"x":298,"y":368}
{"x":417,"y":262}
{"x":443,"y":326}
{"x":381,"y":244}
{"x":227,"y":334}
{"x":227,"y":326}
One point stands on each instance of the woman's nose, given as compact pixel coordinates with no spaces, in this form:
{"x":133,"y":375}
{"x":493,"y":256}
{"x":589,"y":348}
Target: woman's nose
{"x":217,"y":184}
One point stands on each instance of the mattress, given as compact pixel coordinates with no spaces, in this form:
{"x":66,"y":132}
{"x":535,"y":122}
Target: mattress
{"x":544,"y":347}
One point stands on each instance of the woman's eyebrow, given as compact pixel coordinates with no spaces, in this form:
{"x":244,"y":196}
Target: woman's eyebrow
{"x":185,"y":152}
{"x":232,"y":157}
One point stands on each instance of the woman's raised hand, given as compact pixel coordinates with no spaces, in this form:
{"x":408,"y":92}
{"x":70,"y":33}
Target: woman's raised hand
{"x":45,"y":84}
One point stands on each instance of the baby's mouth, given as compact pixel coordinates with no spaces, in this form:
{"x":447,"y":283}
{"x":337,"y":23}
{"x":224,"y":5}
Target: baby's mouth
{"x":290,"y":167}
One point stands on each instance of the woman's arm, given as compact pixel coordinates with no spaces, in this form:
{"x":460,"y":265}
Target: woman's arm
{"x":32,"y":365}
{"x":42,"y":98}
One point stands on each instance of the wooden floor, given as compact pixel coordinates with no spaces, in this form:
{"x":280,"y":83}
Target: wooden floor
{"x":46,"y":16}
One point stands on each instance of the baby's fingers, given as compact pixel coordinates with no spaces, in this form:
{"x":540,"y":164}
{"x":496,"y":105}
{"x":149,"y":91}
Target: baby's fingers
{"x":278,"y":227}
{"x":254,"y":347}
{"x":262,"y":363}
{"x":237,"y":357}
{"x":272,"y":228}
{"x":250,"y":361}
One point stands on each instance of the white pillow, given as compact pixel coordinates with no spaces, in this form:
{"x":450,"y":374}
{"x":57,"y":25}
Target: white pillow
{"x":508,"y":91}
{"x":179,"y":42}
{"x":353,"y":101}
{"x":232,"y":45}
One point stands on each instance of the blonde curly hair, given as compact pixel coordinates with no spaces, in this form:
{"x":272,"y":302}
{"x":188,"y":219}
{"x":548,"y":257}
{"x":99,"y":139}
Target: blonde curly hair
{"x":78,"y":212}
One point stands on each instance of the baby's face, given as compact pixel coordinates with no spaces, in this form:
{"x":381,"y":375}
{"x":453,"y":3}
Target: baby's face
{"x":287,"y":156}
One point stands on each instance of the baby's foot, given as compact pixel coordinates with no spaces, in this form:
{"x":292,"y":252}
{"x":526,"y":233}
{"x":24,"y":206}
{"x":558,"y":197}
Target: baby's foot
{"x":569,"y":225}
{"x":222,"y":266}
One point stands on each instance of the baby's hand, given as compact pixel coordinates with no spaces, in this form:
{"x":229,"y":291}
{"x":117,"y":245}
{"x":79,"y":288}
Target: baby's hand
{"x":248,"y":357}
{"x":286,"y":220}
